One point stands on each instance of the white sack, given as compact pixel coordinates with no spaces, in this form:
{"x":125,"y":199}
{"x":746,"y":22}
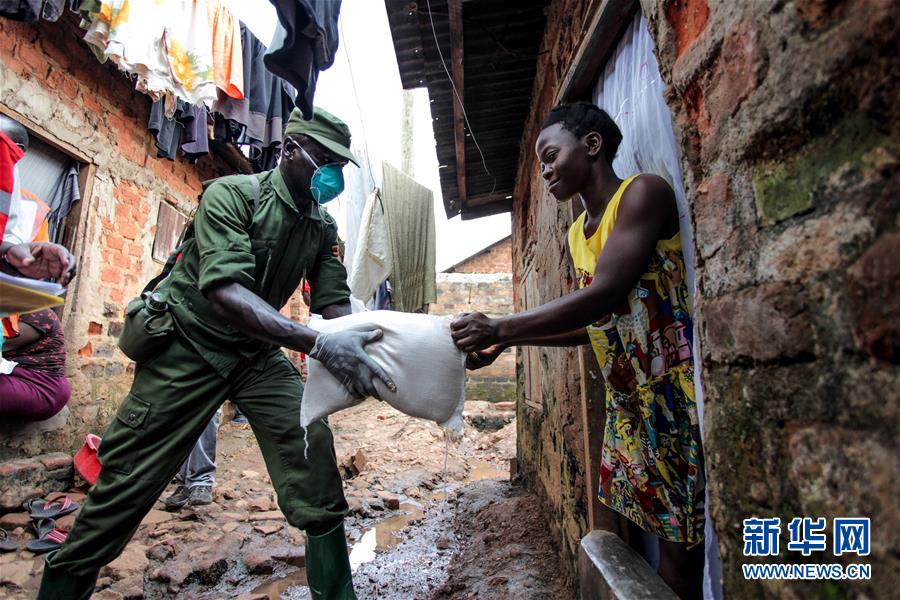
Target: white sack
{"x":416,"y":351}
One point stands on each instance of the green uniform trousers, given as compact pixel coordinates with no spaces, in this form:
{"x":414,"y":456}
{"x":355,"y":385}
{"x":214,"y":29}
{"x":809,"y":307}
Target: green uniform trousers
{"x":172,"y":399}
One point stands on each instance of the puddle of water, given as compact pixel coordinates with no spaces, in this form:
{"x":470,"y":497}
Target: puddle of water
{"x":387,"y":530}
{"x":274,"y":588}
{"x":435,"y":496}
{"x":480,"y":470}
{"x":383,"y":536}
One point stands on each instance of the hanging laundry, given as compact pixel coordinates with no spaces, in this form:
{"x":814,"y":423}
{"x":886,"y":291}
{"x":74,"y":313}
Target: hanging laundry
{"x":409,"y":214}
{"x":227,"y":50}
{"x":304,"y":43}
{"x":10,"y":154}
{"x":257,"y":120}
{"x":186,"y":129}
{"x":65,"y":195}
{"x":32,"y":10}
{"x":166,"y":44}
{"x":383,"y":300}
{"x":372,"y":258}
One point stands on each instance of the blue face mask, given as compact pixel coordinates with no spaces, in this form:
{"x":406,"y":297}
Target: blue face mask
{"x":327,"y":182}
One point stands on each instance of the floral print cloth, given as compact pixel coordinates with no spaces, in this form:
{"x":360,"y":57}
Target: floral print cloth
{"x":651,"y":468}
{"x":166,"y":44}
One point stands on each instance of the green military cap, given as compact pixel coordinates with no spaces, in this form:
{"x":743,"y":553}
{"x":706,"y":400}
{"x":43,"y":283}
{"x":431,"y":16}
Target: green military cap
{"x":326,"y":129}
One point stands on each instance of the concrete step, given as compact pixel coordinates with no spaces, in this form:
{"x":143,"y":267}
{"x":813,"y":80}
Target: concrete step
{"x":610,"y":570}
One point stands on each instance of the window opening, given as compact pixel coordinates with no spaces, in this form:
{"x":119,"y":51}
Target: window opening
{"x":170,"y":223}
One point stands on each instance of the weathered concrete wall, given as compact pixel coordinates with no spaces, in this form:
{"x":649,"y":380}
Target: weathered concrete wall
{"x":490,"y":293}
{"x":789,"y":140}
{"x":50,"y":77}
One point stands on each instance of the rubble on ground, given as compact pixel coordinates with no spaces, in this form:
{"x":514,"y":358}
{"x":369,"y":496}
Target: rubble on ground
{"x":403,"y":503}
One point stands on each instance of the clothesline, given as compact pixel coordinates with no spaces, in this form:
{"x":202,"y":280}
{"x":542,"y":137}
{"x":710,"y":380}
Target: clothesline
{"x":205,"y":69}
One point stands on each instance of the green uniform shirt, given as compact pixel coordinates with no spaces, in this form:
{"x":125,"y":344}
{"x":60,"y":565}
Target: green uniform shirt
{"x":269,"y":252}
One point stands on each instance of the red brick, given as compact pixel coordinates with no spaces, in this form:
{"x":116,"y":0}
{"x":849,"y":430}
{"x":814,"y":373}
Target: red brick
{"x":7,"y":45}
{"x":34,"y":57}
{"x":135,"y":250}
{"x":56,"y":461}
{"x":15,"y":467}
{"x":129,"y":230}
{"x":763,"y":323}
{"x":16,"y":65}
{"x":114,"y":242}
{"x":92,"y":105}
{"x":86,"y":350}
{"x":123,"y":211}
{"x":120,"y":260}
{"x":713,"y":206}
{"x":873,"y":282}
{"x":688,"y":19}
{"x":65,"y":84}
{"x":736,"y":74}
{"x":132,"y":148}
{"x":115,"y":296}
{"x":818,"y":14}
{"x":95,"y":328}
{"x":110,"y":275}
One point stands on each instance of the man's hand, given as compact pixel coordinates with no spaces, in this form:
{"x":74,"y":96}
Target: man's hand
{"x":343,"y":354}
{"x":473,"y":331}
{"x":42,"y":260}
{"x":483,"y":358}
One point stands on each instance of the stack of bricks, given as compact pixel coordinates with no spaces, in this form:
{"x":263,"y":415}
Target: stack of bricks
{"x":482,"y":283}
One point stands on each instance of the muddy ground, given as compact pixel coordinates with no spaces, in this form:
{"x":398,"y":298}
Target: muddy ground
{"x":413,"y":532}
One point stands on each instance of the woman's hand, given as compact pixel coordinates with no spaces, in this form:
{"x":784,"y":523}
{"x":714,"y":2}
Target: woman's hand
{"x":473,"y":331}
{"x":483,"y":358}
{"x":42,"y":260}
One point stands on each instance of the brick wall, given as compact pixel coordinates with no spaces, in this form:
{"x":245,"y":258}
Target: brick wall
{"x":496,"y":258}
{"x":790,"y":162}
{"x":49,"y":77}
{"x":490,"y":293}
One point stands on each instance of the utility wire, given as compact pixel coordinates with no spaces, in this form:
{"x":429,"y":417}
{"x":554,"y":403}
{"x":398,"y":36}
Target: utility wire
{"x":461,"y":106}
{"x":362,"y":120}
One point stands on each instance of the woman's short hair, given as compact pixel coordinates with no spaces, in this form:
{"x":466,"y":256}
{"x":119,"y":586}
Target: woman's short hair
{"x":582,"y":118}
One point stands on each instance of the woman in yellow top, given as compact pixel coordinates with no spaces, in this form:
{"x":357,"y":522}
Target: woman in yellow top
{"x":632,"y":307}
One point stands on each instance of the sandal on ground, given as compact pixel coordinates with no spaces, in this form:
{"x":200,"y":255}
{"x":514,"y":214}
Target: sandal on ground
{"x":41,"y":509}
{"x":50,"y":537}
{"x":6,"y":544}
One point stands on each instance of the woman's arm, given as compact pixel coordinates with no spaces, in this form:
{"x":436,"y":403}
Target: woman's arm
{"x":639,"y":225}
{"x":27,"y":336}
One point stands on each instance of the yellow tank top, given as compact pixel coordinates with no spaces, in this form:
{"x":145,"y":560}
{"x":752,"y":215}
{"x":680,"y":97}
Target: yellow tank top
{"x":651,"y":332}
{"x":585,"y":251}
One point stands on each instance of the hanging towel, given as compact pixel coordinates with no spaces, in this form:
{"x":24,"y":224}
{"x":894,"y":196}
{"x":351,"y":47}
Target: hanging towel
{"x":65,"y":195}
{"x":372,"y":260}
{"x":409,"y":213}
{"x":304,"y":43}
{"x":257,"y":120}
{"x":166,"y":44}
{"x":227,"y":50}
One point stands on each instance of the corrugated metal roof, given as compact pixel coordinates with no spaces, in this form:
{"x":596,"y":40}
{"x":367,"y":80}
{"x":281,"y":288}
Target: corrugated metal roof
{"x":501,"y":42}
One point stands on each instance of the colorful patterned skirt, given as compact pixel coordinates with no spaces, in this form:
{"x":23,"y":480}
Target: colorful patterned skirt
{"x":651,"y":468}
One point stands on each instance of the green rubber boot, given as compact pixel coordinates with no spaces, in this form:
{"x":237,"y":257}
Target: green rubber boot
{"x":328,"y":566}
{"x":59,"y":584}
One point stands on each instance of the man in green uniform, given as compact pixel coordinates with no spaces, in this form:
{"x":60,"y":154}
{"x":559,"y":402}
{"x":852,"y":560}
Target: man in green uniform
{"x":243,"y":263}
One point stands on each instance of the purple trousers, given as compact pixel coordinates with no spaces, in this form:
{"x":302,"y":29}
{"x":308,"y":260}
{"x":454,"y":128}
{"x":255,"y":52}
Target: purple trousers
{"x":32,"y":395}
